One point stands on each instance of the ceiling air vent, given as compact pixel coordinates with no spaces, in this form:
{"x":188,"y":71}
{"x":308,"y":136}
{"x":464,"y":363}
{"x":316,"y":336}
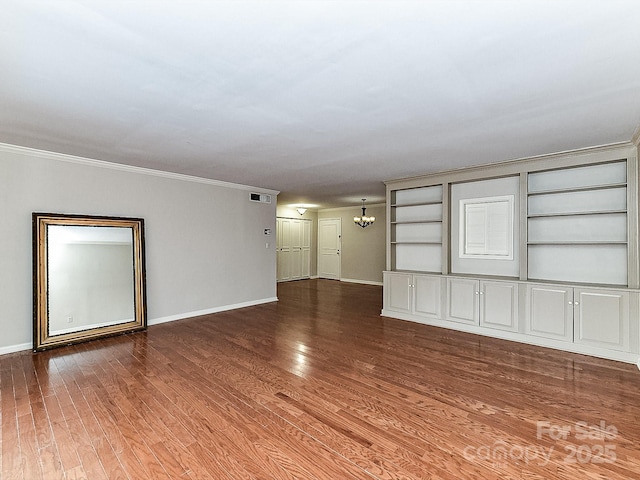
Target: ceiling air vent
{"x":260,"y":197}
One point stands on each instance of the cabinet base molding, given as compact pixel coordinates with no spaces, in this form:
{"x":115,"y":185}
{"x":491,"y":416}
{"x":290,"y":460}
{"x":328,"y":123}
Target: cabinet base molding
{"x":590,"y":320}
{"x":362,"y":282}
{"x":619,"y":356}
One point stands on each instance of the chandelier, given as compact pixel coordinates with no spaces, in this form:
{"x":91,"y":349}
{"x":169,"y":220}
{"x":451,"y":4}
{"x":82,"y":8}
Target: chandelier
{"x":363,"y":220}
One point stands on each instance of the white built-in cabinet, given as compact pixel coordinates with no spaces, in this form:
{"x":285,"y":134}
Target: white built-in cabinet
{"x":415,"y":294}
{"x":587,"y":316}
{"x":463,"y":300}
{"x":550,"y":312}
{"x":601,"y":318}
{"x":490,"y":303}
{"x":577,"y":272}
{"x":293,"y":248}
{"x":398,"y":292}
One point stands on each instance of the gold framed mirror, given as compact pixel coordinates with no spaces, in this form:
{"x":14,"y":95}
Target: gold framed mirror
{"x":88,"y":278}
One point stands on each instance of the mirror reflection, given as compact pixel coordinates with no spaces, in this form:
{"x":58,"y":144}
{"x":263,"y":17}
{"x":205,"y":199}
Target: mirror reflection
{"x":89,"y":278}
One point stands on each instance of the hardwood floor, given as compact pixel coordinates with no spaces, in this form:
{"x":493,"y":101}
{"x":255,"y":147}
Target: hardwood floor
{"x":316,"y":386}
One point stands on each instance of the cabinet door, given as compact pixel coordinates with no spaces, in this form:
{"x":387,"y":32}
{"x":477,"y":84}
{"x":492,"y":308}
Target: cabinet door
{"x":398,"y":291}
{"x":602,"y":318}
{"x":550,"y":312}
{"x":499,"y":305}
{"x":426,"y":291}
{"x":462,"y":300}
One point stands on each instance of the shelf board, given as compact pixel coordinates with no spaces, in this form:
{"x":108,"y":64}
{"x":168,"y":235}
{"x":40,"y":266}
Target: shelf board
{"x":585,"y":242}
{"x":416,"y":243}
{"x":577,"y":189}
{"x":416,"y":272}
{"x":416,"y":222}
{"x":417,"y":204}
{"x":550,"y":281}
{"x":572,"y":214}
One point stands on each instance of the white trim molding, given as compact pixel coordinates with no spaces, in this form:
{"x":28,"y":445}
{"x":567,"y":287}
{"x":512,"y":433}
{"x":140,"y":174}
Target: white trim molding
{"x":62,"y":157}
{"x":620,"y":356}
{"x":635,"y":138}
{"x":208,"y":311}
{"x":16,"y":348}
{"x":363,"y":282}
{"x":350,"y":207}
{"x":156,"y":321}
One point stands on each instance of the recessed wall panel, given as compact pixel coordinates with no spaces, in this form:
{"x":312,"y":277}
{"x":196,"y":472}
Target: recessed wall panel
{"x":599,"y":264}
{"x":422,"y":258}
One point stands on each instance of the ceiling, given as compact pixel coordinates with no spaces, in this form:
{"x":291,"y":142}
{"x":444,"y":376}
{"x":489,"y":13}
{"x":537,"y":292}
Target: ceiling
{"x":322,"y":100}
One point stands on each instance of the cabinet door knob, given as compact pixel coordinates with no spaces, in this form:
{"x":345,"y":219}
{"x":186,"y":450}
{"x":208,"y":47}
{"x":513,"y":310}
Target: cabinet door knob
{"x":481,"y":293}
{"x":570,"y":303}
{"x":577,"y":303}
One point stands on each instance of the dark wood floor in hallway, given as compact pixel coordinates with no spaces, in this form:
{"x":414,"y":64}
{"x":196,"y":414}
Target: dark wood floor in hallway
{"x":315,"y":386}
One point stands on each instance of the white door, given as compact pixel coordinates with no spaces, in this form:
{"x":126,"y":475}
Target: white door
{"x":306,"y":249}
{"x":601,"y":318}
{"x":462,"y":300}
{"x":550,"y":312}
{"x":499,"y":305}
{"x":427,"y":296}
{"x":329,"y":240}
{"x":293,"y":242}
{"x":283,"y":252}
{"x":398,"y":288}
{"x":296,"y":249}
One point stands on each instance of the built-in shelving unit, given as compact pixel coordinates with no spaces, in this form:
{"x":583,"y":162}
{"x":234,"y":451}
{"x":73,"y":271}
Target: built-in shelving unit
{"x":577,"y":224}
{"x":573,"y":280}
{"x":416,"y":229}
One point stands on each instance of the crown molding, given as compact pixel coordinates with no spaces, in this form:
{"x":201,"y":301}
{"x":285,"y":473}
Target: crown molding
{"x":635,"y":139}
{"x":350,"y":207}
{"x":62,"y":157}
{"x":597,"y":153}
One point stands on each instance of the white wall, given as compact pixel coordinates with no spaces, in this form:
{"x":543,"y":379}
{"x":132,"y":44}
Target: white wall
{"x":91,"y":282}
{"x":205,"y":242}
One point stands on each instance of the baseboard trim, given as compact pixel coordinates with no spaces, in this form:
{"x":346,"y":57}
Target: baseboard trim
{"x":15,"y":348}
{"x":617,"y":355}
{"x":156,"y":321}
{"x":208,"y":311}
{"x":363,"y":282}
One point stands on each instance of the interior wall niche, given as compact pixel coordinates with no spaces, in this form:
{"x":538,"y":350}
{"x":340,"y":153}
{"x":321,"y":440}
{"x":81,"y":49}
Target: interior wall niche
{"x":498,"y":255}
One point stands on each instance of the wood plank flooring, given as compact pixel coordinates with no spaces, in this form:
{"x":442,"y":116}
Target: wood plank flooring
{"x":315,"y":386}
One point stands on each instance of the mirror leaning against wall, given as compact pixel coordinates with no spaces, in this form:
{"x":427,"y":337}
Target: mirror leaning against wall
{"x":88,"y":278}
